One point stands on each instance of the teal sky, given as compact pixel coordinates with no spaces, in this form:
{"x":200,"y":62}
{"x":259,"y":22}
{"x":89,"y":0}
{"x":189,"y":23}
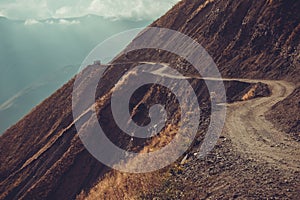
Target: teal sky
{"x":42,"y":9}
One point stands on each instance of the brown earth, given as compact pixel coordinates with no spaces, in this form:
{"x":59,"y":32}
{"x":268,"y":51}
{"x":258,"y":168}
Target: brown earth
{"x":285,"y":115}
{"x":42,"y":157}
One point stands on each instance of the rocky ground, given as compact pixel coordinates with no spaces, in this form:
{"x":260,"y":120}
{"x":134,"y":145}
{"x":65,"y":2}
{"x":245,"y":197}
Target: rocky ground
{"x":227,"y":174}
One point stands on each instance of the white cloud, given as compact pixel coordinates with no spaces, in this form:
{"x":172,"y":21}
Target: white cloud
{"x":49,"y":22}
{"x":2,"y":13}
{"x":26,"y":9}
{"x":62,"y":22}
{"x":134,"y":9}
{"x":63,"y":11}
{"x":68,"y":22}
{"x":41,"y":9}
{"x":29,"y":22}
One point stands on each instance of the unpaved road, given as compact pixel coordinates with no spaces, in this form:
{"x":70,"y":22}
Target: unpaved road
{"x":255,"y":136}
{"x":250,"y":132}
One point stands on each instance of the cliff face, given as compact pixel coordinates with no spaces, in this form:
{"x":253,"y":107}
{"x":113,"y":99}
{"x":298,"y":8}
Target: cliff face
{"x":42,"y":157}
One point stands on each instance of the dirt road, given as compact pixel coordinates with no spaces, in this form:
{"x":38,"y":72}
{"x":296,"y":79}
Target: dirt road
{"x":250,"y":132}
{"x":255,"y":136}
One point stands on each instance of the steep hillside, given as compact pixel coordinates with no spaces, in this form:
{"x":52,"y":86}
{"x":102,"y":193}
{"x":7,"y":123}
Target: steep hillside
{"x":285,"y":114}
{"x":42,"y":156}
{"x":246,"y":38}
{"x":253,"y":39}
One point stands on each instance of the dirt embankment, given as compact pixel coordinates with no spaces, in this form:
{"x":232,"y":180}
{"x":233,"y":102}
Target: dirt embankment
{"x":285,"y":114}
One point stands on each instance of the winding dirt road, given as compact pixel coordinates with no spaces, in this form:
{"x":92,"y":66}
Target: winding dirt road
{"x":255,"y":136}
{"x":250,"y":132}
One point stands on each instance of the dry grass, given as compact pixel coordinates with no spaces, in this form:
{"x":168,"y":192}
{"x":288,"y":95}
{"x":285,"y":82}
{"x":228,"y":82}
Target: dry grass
{"x":118,"y":185}
{"x":201,"y":7}
{"x":250,"y":94}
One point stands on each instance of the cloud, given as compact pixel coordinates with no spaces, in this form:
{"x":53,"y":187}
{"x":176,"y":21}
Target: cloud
{"x":29,"y":22}
{"x":133,"y":9}
{"x":68,"y":22}
{"x":62,"y":22}
{"x":49,"y":22}
{"x":2,"y":14}
{"x":42,"y":9}
{"x":63,"y":11}
{"x":26,"y":9}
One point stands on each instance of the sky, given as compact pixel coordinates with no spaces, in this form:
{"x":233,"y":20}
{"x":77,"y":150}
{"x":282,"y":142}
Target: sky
{"x":116,"y":9}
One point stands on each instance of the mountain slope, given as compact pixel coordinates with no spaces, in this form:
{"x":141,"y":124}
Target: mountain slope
{"x":247,"y":39}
